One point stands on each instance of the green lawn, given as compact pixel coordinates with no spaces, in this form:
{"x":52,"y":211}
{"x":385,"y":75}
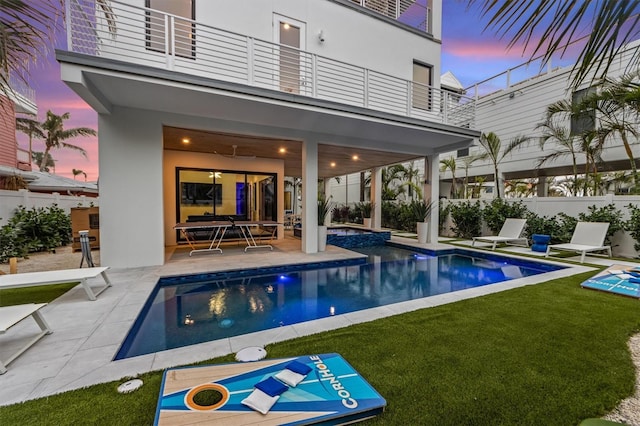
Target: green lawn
{"x":547,"y":354}
{"x":39,"y":294}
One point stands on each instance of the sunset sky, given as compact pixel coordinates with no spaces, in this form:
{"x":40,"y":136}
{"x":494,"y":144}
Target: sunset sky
{"x":467,"y":52}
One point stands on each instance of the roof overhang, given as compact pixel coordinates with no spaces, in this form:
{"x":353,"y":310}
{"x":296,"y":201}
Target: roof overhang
{"x":257,"y":112}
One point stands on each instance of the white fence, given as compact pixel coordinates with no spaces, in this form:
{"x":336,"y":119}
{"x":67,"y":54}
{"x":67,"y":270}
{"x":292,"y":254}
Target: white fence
{"x":10,"y":200}
{"x":622,"y":242}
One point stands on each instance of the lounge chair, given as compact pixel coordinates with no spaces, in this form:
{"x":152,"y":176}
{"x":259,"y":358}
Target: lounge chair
{"x":510,"y":233}
{"x":587,"y":237}
{"x":11,"y":315}
{"x":30,"y":279}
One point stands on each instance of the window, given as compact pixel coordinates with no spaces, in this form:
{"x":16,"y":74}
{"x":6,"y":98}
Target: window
{"x":182,"y":31}
{"x":462,"y":153}
{"x":421,"y":91}
{"x":583,"y":121}
{"x":217,"y":194}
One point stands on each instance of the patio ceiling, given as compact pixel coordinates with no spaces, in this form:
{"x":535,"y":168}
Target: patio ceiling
{"x":333,"y":160}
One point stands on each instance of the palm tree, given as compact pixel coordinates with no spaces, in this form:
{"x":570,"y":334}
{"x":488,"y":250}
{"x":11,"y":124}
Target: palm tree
{"x":32,"y":128}
{"x":550,"y":25}
{"x":411,"y":176}
{"x":55,"y":134}
{"x":43,"y":166}
{"x":466,"y":164}
{"x":450,"y":164}
{"x":27,"y":29}
{"x":493,"y":150}
{"x":77,"y":172}
{"x":618,"y":106}
{"x":565,"y":145}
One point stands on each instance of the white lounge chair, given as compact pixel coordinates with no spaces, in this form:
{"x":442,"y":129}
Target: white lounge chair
{"x":510,"y":233}
{"x":31,"y":279}
{"x":587,"y":237}
{"x":10,"y":316}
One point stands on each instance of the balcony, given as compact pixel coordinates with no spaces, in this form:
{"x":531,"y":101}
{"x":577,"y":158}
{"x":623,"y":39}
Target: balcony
{"x":22,"y":95}
{"x":151,"y":38}
{"x":409,"y":12}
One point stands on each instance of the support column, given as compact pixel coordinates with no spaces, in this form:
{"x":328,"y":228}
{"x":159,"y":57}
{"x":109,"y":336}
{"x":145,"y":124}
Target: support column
{"x":542,"y":189}
{"x":310,"y":196}
{"x":376,"y":197}
{"x":431,"y":191}
{"x":327,"y":194}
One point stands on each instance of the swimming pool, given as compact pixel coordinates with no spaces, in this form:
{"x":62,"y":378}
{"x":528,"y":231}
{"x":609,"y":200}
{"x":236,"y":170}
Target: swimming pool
{"x":191,"y":309}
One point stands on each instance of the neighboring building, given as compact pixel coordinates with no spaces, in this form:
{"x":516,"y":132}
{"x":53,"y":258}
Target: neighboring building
{"x":21,"y":100}
{"x":205,"y":107}
{"x":517,"y":108}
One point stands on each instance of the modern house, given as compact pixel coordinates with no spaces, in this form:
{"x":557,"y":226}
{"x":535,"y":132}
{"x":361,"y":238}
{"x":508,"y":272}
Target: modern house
{"x":513,"y":103}
{"x":205,"y":107}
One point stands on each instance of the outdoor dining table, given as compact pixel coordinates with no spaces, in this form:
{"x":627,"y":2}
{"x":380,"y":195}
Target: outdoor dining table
{"x":218,"y":230}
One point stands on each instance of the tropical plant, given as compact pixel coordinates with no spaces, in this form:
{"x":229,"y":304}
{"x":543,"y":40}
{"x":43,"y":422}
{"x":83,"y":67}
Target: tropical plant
{"x":551,"y":25}
{"x":466,"y":218}
{"x":45,"y":166}
{"x":609,"y":214}
{"x":30,"y":127}
{"x":422,"y":209}
{"x":56,"y":134}
{"x":617,"y":106}
{"x":633,"y":224}
{"x":466,"y":164}
{"x":492,"y":146}
{"x":33,"y":230}
{"x":497,"y":211}
{"x":564,"y":143}
{"x":450,"y":164}
{"x":365,"y":208}
{"x":411,"y":177}
{"x":77,"y":172}
{"x":13,"y":183}
{"x":325,"y":206}
{"x":543,"y":225}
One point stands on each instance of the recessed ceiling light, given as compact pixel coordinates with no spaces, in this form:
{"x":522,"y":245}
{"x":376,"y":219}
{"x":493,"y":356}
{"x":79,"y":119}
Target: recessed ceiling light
{"x":186,"y":140}
{"x":355,"y":157}
{"x":286,"y":26}
{"x":282,"y":150}
{"x":333,"y":164}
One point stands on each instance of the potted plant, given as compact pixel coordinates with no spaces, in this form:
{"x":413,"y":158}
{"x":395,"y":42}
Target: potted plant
{"x":422,"y":212}
{"x":366,"y":209}
{"x":325,"y":207}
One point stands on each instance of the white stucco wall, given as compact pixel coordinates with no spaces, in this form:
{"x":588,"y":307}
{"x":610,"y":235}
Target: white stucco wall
{"x":131,"y":193}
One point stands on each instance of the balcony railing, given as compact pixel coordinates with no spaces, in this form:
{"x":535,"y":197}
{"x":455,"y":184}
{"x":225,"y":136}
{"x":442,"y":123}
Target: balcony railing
{"x":152,"y":38}
{"x":409,"y":12}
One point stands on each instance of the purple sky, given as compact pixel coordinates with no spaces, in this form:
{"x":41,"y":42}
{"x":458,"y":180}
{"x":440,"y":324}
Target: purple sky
{"x":467,"y":52}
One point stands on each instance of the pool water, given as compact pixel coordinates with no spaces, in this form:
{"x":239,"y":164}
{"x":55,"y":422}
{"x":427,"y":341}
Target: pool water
{"x":193,"y":309}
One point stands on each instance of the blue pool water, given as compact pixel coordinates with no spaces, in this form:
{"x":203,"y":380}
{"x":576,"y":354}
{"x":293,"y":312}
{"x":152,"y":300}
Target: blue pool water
{"x":192,"y":309}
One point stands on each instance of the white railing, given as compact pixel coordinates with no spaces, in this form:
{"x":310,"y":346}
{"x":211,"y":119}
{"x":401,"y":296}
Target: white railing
{"x":156,"y":39}
{"x":409,"y":12}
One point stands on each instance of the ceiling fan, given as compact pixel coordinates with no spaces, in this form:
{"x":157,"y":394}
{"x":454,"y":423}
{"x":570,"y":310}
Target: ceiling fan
{"x":234,"y":155}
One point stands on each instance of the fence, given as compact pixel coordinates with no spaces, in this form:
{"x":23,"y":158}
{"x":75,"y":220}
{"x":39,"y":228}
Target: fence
{"x":10,"y":200}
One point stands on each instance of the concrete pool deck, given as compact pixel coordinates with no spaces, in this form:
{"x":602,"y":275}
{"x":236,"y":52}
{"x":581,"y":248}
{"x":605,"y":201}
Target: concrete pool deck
{"x":87,"y":333}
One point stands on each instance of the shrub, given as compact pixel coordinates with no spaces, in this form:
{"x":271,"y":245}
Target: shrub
{"x":442,"y":215}
{"x":543,"y":225}
{"x":633,"y":224}
{"x":34,"y":230}
{"x":498,"y":210}
{"x":566,"y":226}
{"x":608,"y":213}
{"x":467,"y":219}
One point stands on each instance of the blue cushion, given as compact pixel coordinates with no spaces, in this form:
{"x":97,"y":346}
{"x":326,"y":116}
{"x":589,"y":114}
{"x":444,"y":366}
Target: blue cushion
{"x":271,"y":386}
{"x":298,"y":367}
{"x":541,"y":239}
{"x":542,"y":248}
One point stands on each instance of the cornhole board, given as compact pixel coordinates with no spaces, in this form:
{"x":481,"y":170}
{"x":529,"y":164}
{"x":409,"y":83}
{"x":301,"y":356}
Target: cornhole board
{"x":616,"y":279}
{"x":332,"y":393}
